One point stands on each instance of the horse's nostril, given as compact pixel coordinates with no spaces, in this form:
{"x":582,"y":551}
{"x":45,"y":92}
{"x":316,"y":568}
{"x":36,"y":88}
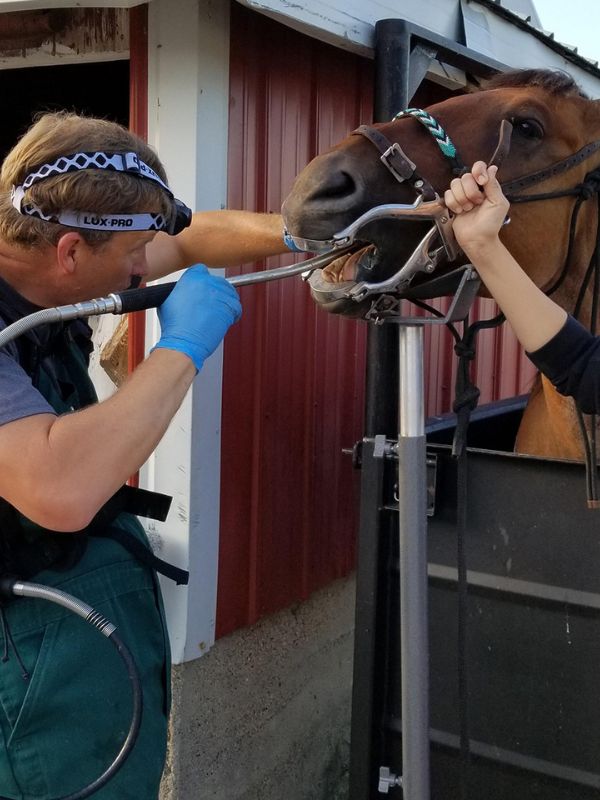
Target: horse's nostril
{"x":339,"y":185}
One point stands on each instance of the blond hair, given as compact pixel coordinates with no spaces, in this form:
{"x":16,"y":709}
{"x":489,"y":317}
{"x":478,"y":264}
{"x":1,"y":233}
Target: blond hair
{"x":92,"y":190}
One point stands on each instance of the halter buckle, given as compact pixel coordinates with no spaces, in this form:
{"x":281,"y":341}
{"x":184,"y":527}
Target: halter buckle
{"x":398,"y":163}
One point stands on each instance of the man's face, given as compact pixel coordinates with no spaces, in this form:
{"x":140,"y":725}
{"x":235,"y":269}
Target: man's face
{"x":113,"y":266}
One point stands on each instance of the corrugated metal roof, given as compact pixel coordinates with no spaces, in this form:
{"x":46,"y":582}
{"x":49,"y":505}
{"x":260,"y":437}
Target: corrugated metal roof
{"x":352,"y":27}
{"x":531,"y":24}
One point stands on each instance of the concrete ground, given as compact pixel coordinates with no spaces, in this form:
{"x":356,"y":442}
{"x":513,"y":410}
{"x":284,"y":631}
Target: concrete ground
{"x":265,"y":715}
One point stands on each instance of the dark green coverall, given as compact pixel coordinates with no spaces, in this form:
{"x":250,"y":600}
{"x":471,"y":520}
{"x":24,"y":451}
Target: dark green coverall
{"x":63,"y":722}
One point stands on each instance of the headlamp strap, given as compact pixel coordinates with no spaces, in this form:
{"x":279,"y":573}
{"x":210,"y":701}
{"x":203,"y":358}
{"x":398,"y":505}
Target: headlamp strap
{"x":117,"y":162}
{"x":128,"y":162}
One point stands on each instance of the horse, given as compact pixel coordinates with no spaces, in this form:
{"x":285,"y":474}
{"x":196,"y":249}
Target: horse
{"x":544,"y":133}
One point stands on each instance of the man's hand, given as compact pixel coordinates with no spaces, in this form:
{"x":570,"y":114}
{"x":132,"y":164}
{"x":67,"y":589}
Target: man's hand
{"x":197,"y":314}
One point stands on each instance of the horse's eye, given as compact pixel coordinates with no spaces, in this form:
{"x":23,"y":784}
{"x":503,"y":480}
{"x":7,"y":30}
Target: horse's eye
{"x":528,"y":128}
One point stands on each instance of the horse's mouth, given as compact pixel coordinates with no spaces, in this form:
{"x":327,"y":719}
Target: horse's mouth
{"x":378,"y":256}
{"x":330,"y":286}
{"x":349,"y":267}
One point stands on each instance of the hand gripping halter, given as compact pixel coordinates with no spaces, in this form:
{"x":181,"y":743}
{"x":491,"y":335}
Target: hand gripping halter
{"x":128,"y":162}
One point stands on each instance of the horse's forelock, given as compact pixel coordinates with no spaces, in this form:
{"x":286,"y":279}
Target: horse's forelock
{"x":553,"y":81}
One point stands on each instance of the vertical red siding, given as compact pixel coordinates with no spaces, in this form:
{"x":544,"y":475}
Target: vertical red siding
{"x":293,"y":382}
{"x":138,"y":123}
{"x":294,"y":375}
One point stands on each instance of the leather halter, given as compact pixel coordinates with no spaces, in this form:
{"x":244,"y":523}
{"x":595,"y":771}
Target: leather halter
{"x":397,"y":162}
{"x":400,"y":165}
{"x":554,"y":169}
{"x":394,"y":158}
{"x":405,"y":170}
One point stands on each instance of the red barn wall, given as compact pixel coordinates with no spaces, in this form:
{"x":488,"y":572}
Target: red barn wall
{"x":293,"y":393}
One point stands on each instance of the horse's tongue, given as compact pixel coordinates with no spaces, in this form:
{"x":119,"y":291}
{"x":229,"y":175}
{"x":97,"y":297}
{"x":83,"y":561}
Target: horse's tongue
{"x":343,"y":268}
{"x":351,"y":266}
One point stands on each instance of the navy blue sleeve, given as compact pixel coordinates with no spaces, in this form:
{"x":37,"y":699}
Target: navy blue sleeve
{"x":18,"y":397}
{"x":571,"y":360}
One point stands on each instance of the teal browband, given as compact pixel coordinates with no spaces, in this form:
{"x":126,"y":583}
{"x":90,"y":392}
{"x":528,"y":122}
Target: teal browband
{"x":444,"y":142}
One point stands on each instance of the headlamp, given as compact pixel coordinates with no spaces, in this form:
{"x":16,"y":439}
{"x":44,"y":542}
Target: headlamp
{"x":129,"y":162}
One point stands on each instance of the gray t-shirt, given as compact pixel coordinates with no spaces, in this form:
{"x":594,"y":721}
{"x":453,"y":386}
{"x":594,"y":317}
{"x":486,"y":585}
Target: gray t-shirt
{"x":18,"y":397}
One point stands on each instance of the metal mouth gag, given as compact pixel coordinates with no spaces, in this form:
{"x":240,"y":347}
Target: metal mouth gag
{"x":438,"y":244}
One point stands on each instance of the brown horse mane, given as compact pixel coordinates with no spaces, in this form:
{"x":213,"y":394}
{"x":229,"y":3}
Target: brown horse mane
{"x":554,"y":81}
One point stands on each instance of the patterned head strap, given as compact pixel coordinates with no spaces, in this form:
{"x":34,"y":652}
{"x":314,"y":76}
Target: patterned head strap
{"x":128,"y":162}
{"x":444,"y":142}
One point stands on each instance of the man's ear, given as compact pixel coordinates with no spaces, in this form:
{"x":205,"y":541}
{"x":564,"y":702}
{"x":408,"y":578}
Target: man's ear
{"x":69,"y":251}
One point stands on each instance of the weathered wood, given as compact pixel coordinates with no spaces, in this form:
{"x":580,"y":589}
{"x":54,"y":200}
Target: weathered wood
{"x":65,"y":32}
{"x":113,"y":358}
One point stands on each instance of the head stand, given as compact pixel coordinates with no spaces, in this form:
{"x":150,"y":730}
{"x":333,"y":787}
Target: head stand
{"x":438,"y":246}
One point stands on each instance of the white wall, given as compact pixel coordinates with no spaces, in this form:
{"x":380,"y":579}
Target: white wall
{"x":188,"y":111}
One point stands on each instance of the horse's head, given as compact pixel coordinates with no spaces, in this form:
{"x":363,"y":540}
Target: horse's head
{"x":551,"y":121}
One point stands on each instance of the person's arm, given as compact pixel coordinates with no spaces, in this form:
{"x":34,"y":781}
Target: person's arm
{"x":480,"y":209}
{"x":218,"y":239}
{"x":59,"y":471}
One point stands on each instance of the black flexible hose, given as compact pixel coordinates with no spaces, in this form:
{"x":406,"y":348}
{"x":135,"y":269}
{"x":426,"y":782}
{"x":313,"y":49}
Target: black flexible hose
{"x":10,"y":587}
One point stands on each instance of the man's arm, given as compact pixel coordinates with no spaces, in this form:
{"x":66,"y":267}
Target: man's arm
{"x":59,"y":471}
{"x":218,"y":239}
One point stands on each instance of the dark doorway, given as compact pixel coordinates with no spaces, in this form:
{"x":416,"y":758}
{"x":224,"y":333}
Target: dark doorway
{"x":98,"y":89}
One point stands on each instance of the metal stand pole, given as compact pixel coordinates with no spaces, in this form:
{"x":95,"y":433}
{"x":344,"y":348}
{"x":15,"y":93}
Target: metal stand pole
{"x":412,"y":483}
{"x":372,"y":704}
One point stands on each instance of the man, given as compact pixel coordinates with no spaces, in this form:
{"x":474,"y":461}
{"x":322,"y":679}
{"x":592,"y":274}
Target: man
{"x":77,"y":222}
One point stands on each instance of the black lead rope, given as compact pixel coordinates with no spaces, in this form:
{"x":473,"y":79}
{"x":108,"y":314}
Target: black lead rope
{"x":466,"y":399}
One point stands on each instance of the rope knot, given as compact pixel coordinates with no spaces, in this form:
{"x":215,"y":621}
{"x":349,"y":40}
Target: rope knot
{"x":590,"y":186}
{"x":586,"y":191}
{"x":468,"y":399}
{"x":465,"y":350}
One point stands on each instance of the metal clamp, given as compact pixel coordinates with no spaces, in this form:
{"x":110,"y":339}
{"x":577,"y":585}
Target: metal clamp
{"x":434,"y":210}
{"x":421,"y":260}
{"x":388,"y":780}
{"x":420,"y":210}
{"x":386,"y":307}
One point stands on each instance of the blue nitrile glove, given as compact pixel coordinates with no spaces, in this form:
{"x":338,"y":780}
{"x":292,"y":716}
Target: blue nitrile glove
{"x":197,"y":314}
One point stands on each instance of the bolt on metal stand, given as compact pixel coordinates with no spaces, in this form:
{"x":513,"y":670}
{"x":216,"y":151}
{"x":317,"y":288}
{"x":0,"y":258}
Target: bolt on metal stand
{"x":410,"y":451}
